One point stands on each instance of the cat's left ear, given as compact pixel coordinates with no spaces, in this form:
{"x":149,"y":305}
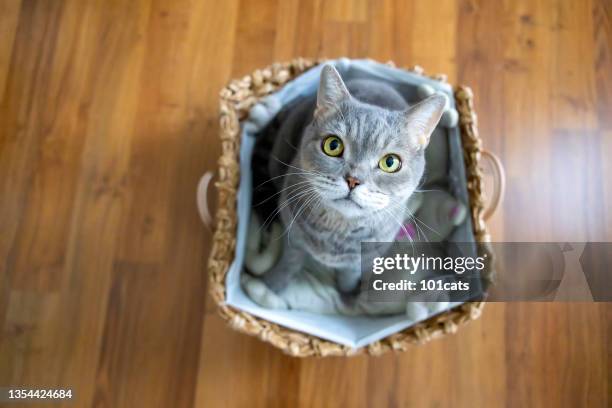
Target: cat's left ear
{"x":422,"y":118}
{"x":332,"y":90}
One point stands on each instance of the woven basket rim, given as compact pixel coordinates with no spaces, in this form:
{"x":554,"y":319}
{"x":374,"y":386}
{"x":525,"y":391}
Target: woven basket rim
{"x":236,"y":100}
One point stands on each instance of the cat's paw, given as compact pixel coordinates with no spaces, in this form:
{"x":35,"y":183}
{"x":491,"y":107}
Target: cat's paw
{"x":263,"y":248}
{"x":348,"y":283}
{"x":261,"y":294}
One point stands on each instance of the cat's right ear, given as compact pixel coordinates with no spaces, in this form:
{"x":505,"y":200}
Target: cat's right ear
{"x":332,"y":91}
{"x":421,"y":119}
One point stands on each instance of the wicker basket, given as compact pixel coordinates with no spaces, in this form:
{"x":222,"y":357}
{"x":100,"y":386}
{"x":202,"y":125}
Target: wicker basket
{"x":236,"y":100}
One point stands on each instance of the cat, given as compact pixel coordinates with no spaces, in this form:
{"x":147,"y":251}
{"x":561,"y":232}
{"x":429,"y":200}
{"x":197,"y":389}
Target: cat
{"x":314,"y":290}
{"x":346,"y":165}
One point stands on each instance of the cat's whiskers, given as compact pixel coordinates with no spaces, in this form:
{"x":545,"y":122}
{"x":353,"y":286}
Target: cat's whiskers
{"x":306,"y":196}
{"x":388,"y":211}
{"x":314,"y":172}
{"x":391,"y":209}
{"x":412,"y":242}
{"x":294,"y":185}
{"x":291,"y":144}
{"x":404,"y":207}
{"x":303,"y":173}
{"x":419,"y":230}
{"x":424,"y":224}
{"x":272,"y":216}
{"x":425,"y":191}
{"x":306,"y":203}
{"x":295,"y":196}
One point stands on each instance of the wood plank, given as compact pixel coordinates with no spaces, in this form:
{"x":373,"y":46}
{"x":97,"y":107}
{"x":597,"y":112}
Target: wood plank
{"x":602,"y":33}
{"x":343,"y":39}
{"x":19,"y":129}
{"x":481,"y":63}
{"x":573,"y":96}
{"x":308,"y":41}
{"x":435,"y":49}
{"x":381,"y":31}
{"x":39,"y":247}
{"x":446,"y":371}
{"x":101,"y":195}
{"x":334,"y":382}
{"x":403,"y":38}
{"x":287,"y":17}
{"x":239,"y":370}
{"x":161,"y":256}
{"x":527,"y":109}
{"x":345,"y":11}
{"x":255,"y":36}
{"x":68,"y":337}
{"x":557,"y":346}
{"x":9,"y":16}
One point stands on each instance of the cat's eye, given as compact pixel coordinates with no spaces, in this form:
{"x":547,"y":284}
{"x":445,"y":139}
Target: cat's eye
{"x":390,"y":163}
{"x":332,"y":146}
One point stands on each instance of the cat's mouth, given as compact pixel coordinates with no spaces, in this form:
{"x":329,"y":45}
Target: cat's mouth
{"x":347,"y":200}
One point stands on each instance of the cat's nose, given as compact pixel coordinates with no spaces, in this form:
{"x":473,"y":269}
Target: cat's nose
{"x":352,"y":182}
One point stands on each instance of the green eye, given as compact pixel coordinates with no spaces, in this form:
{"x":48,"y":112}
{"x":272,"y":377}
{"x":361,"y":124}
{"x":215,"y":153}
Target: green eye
{"x":390,"y":163}
{"x":333,"y":146}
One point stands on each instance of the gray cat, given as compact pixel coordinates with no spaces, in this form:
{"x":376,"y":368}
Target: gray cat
{"x":346,"y":165}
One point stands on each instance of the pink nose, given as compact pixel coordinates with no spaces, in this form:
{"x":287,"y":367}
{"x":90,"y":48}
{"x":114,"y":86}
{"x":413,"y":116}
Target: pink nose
{"x":352,"y":182}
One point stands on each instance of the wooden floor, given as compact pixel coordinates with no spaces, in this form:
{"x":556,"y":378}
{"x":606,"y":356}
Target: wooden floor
{"x":108,"y":117}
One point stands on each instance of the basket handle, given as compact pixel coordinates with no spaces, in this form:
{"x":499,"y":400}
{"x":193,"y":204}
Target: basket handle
{"x":202,"y":198}
{"x":499,"y":182}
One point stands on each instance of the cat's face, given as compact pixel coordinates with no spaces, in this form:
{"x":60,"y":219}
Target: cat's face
{"x":365,"y":158}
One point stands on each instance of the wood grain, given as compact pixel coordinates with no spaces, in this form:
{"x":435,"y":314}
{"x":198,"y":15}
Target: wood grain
{"x":108,"y":118}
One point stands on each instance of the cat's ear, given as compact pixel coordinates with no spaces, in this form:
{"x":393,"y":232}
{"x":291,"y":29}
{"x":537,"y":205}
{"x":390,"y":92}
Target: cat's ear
{"x":422,"y":118}
{"x":332,"y":90}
